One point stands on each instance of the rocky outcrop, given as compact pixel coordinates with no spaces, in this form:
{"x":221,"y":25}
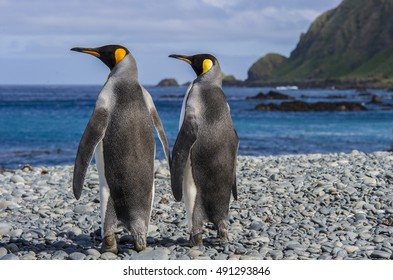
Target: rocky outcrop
{"x":264,"y":68}
{"x":271,"y":95}
{"x":349,"y":45}
{"x":168,"y":83}
{"x":300,"y":106}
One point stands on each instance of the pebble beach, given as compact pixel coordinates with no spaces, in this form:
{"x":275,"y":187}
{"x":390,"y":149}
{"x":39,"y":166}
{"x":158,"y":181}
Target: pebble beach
{"x":295,"y":207}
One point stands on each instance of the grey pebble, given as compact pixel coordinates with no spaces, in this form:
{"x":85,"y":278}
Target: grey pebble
{"x":295,"y":246}
{"x":4,"y":229}
{"x":276,"y":255}
{"x":108,"y":256}
{"x":12,"y":247}
{"x":3,"y":252}
{"x":194,"y":253}
{"x":158,"y":254}
{"x":77,"y":256}
{"x":29,"y":256}
{"x":378,"y":254}
{"x":378,"y":239}
{"x":220,"y":256}
{"x":93,"y":252}
{"x":61,"y":255}
{"x":10,"y":257}
{"x":17,"y":179}
{"x":333,"y":206}
{"x":82,"y":209}
{"x":16,"y":233}
{"x":350,"y":249}
{"x":360,"y":216}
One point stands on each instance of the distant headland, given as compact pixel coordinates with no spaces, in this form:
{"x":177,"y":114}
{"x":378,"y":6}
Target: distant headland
{"x":350,"y":46}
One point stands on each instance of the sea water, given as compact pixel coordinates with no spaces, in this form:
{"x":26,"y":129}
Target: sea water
{"x":42,"y":125}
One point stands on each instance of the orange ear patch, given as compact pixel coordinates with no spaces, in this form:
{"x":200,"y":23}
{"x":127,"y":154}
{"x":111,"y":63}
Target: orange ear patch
{"x":206,"y":65}
{"x":120,"y":54}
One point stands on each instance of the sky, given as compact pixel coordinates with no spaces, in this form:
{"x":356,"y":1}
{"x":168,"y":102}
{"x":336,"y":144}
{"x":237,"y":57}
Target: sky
{"x":36,"y":36}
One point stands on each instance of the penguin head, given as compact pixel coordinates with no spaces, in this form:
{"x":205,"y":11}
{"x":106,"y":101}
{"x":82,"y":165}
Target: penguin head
{"x":201,"y":63}
{"x":111,"y":55}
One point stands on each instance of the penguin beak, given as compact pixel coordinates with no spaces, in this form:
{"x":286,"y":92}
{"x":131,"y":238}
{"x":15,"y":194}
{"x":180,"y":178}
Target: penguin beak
{"x":181,"y":57}
{"x":91,"y":51}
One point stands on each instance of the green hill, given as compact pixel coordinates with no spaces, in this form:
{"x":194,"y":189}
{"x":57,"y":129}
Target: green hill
{"x":351,"y":44}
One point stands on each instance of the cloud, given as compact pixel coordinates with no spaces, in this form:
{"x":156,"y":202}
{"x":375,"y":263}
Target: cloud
{"x":229,"y":28}
{"x":222,"y":3}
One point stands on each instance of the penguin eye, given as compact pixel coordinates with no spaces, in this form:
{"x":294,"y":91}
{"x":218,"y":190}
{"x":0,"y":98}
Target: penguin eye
{"x":206,"y":65}
{"x":120,"y":53}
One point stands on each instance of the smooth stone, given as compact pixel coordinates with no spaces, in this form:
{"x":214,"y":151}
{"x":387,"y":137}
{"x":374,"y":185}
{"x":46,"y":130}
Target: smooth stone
{"x":194,"y":253}
{"x":77,"y":256}
{"x":350,"y":249}
{"x":246,"y":257}
{"x":13,"y":248}
{"x":4,"y":229}
{"x":182,"y":223}
{"x":126,"y":239}
{"x":3,"y":252}
{"x":17,"y":179}
{"x":51,"y":236}
{"x":182,"y":257}
{"x":82,"y":209}
{"x":379,"y":254}
{"x":91,"y":257}
{"x":234,"y":257}
{"x":256,"y":225}
{"x":158,"y":254}
{"x":352,"y":235}
{"x":163,"y":171}
{"x":276,"y":254}
{"x":74,"y":231}
{"x":220,"y":256}
{"x":240,"y":250}
{"x":263,"y":239}
{"x":108,"y":256}
{"x":59,"y":244}
{"x":360,"y":216}
{"x":60,"y":255}
{"x":9,"y":257}
{"x":295,"y":246}
{"x":369,"y":181}
{"x":152,"y":228}
{"x":29,"y":256}
{"x":360,"y":204}
{"x":93,"y":252}
{"x":16,"y":233}
{"x":378,"y":239}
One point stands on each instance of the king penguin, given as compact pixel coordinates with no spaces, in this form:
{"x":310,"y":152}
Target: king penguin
{"x":120,"y":132}
{"x":204,"y":156}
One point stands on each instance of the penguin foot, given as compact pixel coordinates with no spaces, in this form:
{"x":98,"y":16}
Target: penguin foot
{"x":223,"y":236}
{"x":139,"y":242}
{"x":109,"y":244}
{"x":223,"y":233}
{"x":196,"y":240}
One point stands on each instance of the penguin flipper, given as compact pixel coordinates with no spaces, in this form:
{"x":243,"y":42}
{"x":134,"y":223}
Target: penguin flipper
{"x":234,"y":185}
{"x":93,"y":134}
{"x":234,"y":188}
{"x":157,"y":123}
{"x":181,"y":150}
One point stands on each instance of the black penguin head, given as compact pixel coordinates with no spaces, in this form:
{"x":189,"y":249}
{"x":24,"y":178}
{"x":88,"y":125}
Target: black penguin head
{"x":201,"y":63}
{"x":111,"y":55}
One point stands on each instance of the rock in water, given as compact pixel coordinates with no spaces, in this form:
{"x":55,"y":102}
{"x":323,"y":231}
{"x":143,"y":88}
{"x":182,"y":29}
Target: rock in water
{"x":300,"y":106}
{"x":271,"y":95}
{"x":168,"y":83}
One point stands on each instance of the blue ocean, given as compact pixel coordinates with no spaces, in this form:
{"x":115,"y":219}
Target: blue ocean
{"x":42,"y":125}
